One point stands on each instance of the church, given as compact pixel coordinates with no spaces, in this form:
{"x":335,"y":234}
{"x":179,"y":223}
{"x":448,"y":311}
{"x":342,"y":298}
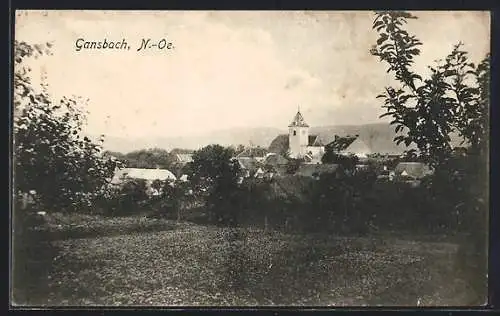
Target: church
{"x":299,"y":143}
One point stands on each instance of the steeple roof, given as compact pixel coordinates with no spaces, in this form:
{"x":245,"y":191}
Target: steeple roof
{"x":298,"y":121}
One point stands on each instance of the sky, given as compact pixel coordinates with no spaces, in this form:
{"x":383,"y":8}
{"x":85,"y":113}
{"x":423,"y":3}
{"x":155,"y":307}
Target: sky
{"x":230,"y":69}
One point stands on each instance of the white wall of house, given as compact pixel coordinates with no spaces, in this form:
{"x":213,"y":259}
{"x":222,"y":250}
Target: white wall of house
{"x":316,"y":151}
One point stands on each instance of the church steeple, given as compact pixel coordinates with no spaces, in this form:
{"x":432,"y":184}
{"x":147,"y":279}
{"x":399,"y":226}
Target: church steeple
{"x":298,"y":120}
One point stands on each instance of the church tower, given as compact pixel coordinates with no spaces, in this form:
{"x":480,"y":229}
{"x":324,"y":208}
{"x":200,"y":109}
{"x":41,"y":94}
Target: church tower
{"x":298,"y":136}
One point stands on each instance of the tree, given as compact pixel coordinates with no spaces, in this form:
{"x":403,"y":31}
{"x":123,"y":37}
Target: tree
{"x":51,"y":155}
{"x":149,"y":158}
{"x":453,"y":99}
{"x":176,"y":194}
{"x":239,"y":149}
{"x":214,"y":175}
{"x":348,"y":162}
{"x":52,"y":158}
{"x":133,"y":194}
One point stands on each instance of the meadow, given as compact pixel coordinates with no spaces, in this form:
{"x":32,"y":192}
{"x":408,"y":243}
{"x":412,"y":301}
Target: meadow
{"x":140,"y":261}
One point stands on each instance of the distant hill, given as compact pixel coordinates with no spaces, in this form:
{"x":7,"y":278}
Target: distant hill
{"x":378,"y":136}
{"x":236,"y":136}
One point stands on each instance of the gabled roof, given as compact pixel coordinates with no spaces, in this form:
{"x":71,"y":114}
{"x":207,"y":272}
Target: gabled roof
{"x":314,"y":140}
{"x":298,"y":121}
{"x":253,"y":152}
{"x":341,"y":143}
{"x":415,"y":170}
{"x":249,"y":164}
{"x":358,"y":147}
{"x":143,"y":174}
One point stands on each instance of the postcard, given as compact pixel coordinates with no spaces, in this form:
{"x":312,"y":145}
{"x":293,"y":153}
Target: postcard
{"x":250,"y":159}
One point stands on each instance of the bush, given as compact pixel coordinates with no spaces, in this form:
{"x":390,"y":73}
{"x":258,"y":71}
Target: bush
{"x":293,"y":165}
{"x":126,"y":199}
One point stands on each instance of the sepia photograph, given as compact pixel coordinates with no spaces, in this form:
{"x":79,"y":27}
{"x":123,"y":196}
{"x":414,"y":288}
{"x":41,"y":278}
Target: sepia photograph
{"x":250,"y":158}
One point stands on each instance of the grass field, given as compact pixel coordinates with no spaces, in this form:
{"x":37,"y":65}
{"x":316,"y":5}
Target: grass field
{"x":189,"y":264}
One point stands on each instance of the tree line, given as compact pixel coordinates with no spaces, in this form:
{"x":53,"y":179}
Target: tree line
{"x":152,"y":158}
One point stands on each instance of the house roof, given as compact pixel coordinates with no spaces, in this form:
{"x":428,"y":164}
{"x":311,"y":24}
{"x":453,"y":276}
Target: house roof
{"x":358,"y":147}
{"x":253,"y":152}
{"x":413,"y":169}
{"x":249,"y":164}
{"x":143,"y":174}
{"x":181,"y":151}
{"x":341,"y":143}
{"x":298,"y":121}
{"x":379,"y":138}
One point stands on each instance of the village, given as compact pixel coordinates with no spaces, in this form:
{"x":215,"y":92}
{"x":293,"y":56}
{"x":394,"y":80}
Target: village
{"x":308,"y":151}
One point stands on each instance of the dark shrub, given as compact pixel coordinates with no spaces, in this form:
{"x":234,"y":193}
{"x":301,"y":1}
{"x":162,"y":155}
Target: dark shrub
{"x":125,"y":199}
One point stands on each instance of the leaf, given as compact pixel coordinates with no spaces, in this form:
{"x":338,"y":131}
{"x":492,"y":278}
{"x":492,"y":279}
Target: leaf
{"x":383,"y":37}
{"x":377,"y":24}
{"x":385,"y":46}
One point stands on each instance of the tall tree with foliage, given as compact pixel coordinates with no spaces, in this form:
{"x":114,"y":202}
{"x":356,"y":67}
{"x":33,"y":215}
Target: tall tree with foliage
{"x":149,"y":158}
{"x":214,"y":175}
{"x":455,"y":98}
{"x":51,"y":156}
{"x":426,"y":111}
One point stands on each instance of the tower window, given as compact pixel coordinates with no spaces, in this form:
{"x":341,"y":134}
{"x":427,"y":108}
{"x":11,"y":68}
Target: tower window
{"x":294,"y":133}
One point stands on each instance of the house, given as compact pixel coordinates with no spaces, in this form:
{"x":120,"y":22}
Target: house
{"x":248,"y":166}
{"x":358,"y":148}
{"x":412,"y":170}
{"x":360,"y":167}
{"x":259,"y":173}
{"x":149,"y":175}
{"x":256,"y":153}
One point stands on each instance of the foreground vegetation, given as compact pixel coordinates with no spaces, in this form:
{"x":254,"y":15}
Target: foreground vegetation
{"x":189,"y":264}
